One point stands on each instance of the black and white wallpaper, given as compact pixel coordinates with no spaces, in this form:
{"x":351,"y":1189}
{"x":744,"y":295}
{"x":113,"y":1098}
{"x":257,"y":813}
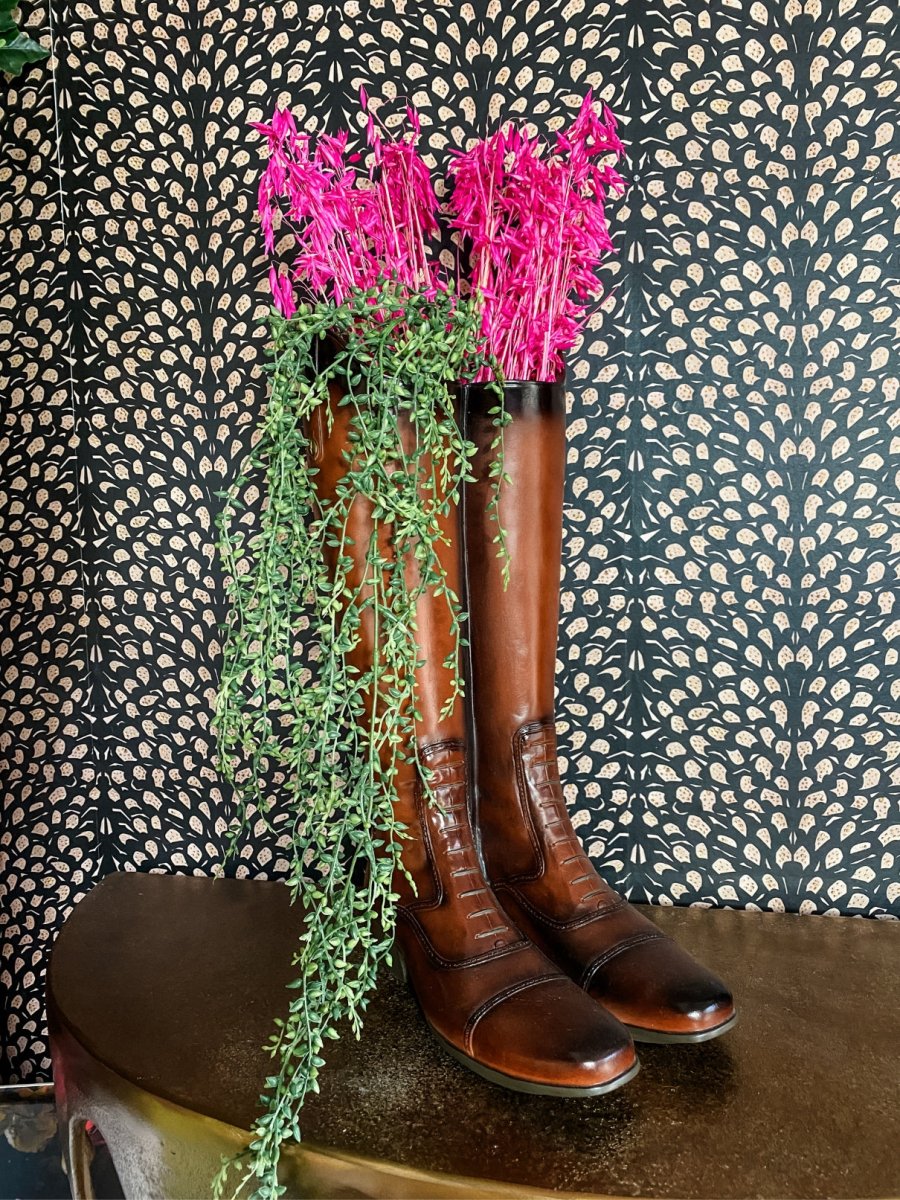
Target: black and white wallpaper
{"x":729,"y":694}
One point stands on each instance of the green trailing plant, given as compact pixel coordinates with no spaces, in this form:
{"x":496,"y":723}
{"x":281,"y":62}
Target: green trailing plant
{"x":339,"y":736}
{"x":16,"y":48}
{"x":399,"y":340}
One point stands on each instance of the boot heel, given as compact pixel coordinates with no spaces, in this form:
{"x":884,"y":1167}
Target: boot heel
{"x":398,"y":966}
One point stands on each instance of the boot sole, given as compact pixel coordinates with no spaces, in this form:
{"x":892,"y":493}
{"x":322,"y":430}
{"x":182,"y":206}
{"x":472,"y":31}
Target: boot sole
{"x":512,"y":1082}
{"x":659,"y":1037}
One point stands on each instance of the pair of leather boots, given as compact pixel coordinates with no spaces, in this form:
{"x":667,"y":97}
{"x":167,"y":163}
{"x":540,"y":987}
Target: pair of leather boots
{"x":529,"y":968}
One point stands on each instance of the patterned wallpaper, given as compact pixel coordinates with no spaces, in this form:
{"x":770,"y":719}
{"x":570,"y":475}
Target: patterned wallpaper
{"x":729,"y":698}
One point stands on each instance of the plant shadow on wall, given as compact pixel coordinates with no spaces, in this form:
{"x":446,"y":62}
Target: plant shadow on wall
{"x":361,"y":461}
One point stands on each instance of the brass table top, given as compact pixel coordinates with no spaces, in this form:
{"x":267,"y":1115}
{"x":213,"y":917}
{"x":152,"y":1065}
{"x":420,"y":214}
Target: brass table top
{"x":173,"y":983}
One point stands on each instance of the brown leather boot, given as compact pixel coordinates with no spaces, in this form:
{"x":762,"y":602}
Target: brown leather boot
{"x":490,"y":996}
{"x":531,"y":851}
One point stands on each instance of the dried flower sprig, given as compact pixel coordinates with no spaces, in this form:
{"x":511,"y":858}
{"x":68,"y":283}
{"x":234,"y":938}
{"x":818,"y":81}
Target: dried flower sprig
{"x":352,"y":229}
{"x":534,"y":215}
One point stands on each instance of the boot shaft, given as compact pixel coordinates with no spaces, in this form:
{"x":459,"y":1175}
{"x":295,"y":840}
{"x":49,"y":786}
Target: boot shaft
{"x":513,"y":629}
{"x":330,"y":434}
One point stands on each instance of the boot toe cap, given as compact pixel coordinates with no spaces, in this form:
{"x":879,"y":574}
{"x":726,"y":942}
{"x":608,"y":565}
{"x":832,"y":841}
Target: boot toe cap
{"x":660,"y":988}
{"x":553,"y":1035}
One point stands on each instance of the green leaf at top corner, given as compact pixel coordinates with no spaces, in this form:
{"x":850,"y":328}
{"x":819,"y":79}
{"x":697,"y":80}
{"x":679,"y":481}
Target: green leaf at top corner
{"x":19,"y":50}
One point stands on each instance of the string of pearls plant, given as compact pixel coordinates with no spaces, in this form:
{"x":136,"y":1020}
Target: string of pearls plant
{"x":338,"y":737}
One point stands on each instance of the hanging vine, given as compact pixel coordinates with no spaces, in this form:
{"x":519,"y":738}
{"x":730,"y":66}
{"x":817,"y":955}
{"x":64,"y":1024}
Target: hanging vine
{"x":340,"y":736}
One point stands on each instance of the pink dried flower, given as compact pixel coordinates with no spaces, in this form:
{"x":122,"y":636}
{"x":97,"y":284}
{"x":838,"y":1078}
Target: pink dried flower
{"x":282,"y":293}
{"x":534,"y":215}
{"x":349,"y":229}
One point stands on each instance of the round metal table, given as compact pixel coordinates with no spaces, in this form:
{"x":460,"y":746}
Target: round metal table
{"x":163,"y":990}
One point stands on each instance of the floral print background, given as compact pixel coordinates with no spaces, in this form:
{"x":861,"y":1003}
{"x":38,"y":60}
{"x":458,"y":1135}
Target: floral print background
{"x":729,"y":697}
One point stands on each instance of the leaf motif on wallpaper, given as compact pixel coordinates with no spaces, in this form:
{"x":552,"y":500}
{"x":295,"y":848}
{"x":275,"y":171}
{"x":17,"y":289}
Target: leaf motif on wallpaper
{"x":729,"y":705}
{"x":48,"y":828}
{"x":722,"y":509}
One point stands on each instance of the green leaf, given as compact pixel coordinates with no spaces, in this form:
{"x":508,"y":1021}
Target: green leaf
{"x":17,"y":52}
{"x":16,"y":49}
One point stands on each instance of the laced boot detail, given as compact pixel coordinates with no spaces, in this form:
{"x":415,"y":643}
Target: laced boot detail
{"x":483,"y":987}
{"x":443,"y":808}
{"x":581,"y":890}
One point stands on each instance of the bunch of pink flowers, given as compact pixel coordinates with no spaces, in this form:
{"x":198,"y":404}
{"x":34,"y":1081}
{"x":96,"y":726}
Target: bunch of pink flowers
{"x":350,"y":229}
{"x":533,"y":213}
{"x":535,"y":219}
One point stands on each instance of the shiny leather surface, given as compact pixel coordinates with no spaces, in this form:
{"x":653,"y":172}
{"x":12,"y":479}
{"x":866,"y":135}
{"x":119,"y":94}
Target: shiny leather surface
{"x":481,"y":984}
{"x":531,"y":851}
